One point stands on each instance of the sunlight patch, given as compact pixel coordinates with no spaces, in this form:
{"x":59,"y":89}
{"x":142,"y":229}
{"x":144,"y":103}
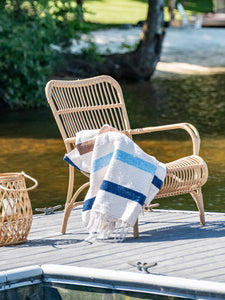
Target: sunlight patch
{"x":186,"y":68}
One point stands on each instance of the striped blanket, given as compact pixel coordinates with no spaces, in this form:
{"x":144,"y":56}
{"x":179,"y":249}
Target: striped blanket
{"x":122,"y":179}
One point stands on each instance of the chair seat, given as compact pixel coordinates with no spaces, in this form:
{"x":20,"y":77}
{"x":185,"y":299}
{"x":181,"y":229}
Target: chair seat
{"x":183,"y":176}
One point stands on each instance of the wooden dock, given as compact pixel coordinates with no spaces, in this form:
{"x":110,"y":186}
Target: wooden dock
{"x":213,"y":20}
{"x":174,"y":239}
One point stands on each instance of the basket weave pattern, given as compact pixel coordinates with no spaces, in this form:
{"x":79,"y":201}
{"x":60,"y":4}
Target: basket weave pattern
{"x":15,"y":209}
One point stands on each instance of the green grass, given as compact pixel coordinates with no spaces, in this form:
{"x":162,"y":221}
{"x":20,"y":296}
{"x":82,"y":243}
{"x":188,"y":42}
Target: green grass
{"x":115,"y":11}
{"x":120,"y":12}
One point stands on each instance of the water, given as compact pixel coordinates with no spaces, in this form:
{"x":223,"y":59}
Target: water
{"x":93,"y":293}
{"x":30,"y":140}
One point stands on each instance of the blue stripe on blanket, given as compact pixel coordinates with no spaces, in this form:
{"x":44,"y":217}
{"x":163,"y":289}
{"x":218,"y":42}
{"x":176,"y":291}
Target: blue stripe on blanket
{"x":157,"y":182}
{"x":88,"y":204}
{"x":122,"y":191}
{"x":101,"y":162}
{"x":135,"y":161}
{"x":69,"y":161}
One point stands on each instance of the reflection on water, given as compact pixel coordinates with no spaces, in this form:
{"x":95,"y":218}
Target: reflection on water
{"x":30,"y":141}
{"x":199,"y":100}
{"x":42,"y":159}
{"x":63,"y":291}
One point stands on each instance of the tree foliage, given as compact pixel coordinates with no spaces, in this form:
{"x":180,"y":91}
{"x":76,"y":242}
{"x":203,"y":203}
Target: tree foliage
{"x":27,"y":59}
{"x":27,"y":30}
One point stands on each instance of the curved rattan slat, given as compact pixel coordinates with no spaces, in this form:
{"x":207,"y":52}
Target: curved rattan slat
{"x":183,"y":176}
{"x":87,"y":104}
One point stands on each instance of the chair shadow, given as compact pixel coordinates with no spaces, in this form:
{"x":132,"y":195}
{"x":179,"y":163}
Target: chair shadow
{"x":170,"y":231}
{"x":180,"y":232}
{"x":55,"y":243}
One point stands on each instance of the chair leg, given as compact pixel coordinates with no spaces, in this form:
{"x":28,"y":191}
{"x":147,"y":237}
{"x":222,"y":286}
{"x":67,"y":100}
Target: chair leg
{"x":72,"y":204}
{"x":135,"y":230}
{"x":197,"y":196}
{"x":68,"y":205}
{"x":66,"y":215}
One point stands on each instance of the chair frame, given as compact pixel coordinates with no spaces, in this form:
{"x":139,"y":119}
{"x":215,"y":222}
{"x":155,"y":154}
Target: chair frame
{"x":96,"y":96}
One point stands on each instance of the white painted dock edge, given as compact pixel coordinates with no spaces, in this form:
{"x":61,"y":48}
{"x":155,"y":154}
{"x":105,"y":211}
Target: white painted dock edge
{"x":111,"y":279}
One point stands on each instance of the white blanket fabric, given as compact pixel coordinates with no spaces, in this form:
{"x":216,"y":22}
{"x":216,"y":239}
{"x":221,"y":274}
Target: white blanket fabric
{"x":122,"y":179}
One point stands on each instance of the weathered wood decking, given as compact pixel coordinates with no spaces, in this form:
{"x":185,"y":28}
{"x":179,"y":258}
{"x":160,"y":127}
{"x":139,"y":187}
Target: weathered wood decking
{"x":173,"y":239}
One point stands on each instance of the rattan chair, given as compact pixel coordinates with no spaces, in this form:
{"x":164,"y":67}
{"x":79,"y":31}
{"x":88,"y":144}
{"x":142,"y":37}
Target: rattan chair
{"x":91,"y":103}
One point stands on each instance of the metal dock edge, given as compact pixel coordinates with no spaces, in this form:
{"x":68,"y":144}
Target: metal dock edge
{"x":111,"y":279}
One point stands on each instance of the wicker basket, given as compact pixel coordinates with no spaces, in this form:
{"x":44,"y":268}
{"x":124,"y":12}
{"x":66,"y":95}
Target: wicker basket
{"x":15,"y":208}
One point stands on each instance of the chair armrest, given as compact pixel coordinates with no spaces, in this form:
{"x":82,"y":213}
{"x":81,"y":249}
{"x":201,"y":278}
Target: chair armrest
{"x":186,"y":126}
{"x":71,"y":140}
{"x":193,"y":132}
{"x":69,"y":143}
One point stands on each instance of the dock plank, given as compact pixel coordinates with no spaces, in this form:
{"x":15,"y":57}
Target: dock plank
{"x":174,"y":239}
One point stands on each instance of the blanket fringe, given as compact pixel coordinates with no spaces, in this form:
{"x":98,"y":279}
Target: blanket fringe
{"x":101,"y":227}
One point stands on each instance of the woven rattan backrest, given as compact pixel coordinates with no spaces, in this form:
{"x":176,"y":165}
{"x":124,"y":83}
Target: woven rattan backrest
{"x":87,"y":104}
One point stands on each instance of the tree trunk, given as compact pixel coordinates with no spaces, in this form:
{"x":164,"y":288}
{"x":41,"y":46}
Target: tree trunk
{"x":140,"y":64}
{"x":171,"y":6}
{"x":147,"y":54}
{"x":80,"y":9}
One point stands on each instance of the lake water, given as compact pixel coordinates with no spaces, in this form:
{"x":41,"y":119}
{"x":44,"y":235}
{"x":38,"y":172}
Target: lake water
{"x":30,"y":140}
